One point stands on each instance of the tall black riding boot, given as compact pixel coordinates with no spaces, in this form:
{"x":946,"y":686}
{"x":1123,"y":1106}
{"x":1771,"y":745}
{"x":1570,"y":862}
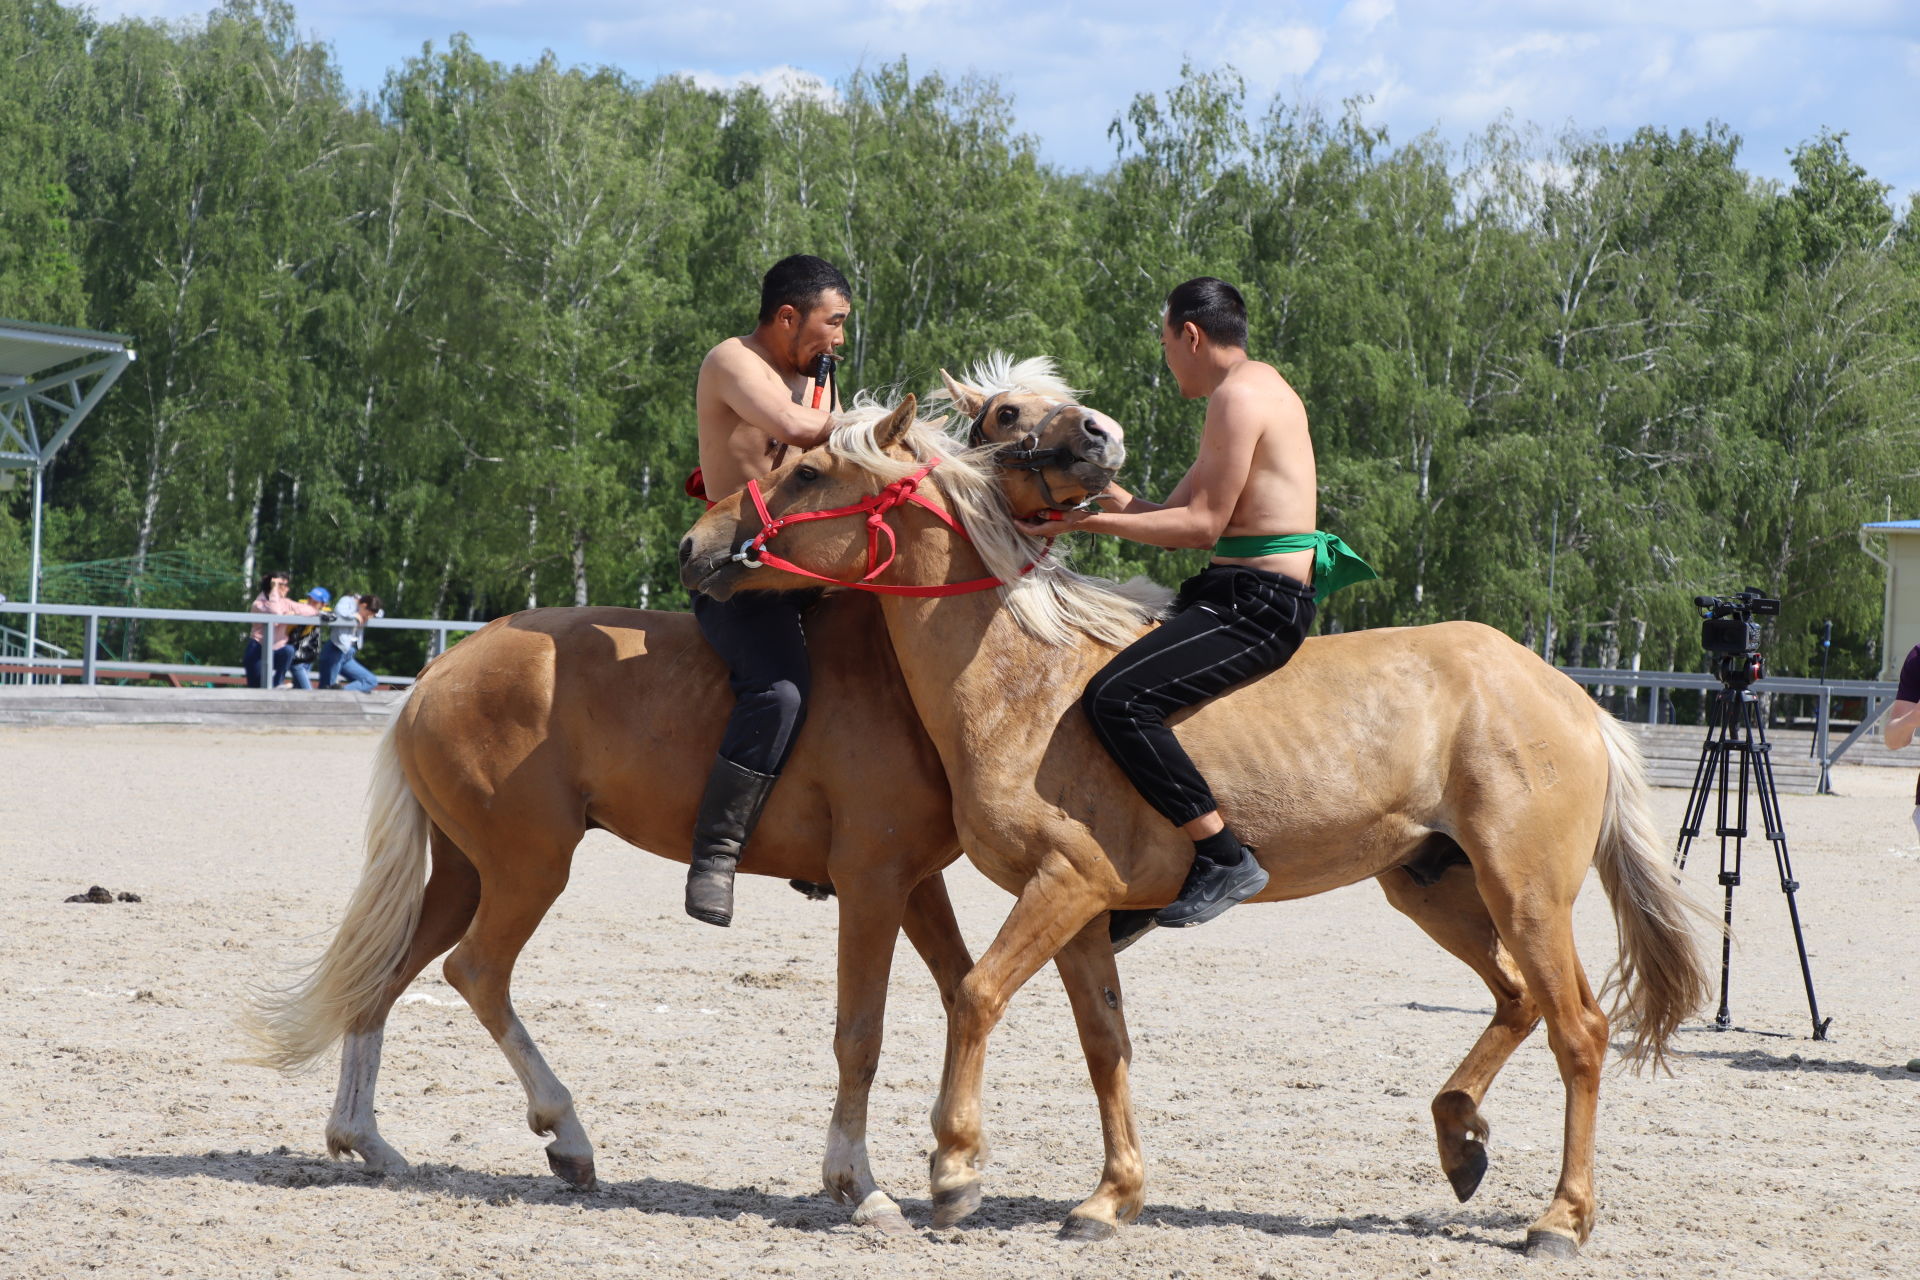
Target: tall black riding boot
{"x":729,"y":811}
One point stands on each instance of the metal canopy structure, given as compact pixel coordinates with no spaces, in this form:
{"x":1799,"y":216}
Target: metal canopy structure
{"x":50,"y":380}
{"x":1900,"y":627}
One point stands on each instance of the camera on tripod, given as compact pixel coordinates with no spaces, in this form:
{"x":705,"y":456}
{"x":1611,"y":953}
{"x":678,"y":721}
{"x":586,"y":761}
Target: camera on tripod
{"x":1737,"y":755}
{"x":1731,"y":635}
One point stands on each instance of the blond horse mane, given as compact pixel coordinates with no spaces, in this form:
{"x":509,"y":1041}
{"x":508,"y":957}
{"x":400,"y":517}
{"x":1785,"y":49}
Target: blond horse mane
{"x":1051,"y":603}
{"x":1001,"y":372}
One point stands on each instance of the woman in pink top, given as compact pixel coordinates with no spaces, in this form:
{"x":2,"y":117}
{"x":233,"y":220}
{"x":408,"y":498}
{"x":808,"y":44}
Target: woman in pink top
{"x":272,"y":599}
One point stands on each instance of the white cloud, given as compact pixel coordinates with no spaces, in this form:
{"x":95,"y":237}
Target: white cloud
{"x":776,"y":82}
{"x":1364,"y":15}
{"x":1266,"y":57}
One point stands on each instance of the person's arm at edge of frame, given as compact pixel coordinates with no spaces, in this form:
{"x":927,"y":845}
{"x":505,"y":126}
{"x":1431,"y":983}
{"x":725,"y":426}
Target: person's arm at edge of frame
{"x":1903,"y":719}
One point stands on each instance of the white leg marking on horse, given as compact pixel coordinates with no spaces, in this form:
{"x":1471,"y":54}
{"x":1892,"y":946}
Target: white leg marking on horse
{"x":549,"y":1105}
{"x":848,"y":1177}
{"x":352,"y":1126}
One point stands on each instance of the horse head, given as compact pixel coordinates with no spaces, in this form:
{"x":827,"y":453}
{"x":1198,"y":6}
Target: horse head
{"x":832,"y":515}
{"x":831,"y":507}
{"x":1057,"y":453}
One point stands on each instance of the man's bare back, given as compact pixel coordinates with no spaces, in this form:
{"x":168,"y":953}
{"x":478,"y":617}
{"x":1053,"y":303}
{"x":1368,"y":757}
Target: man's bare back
{"x":1280,"y":494}
{"x":1254,"y":474}
{"x":751,"y":399}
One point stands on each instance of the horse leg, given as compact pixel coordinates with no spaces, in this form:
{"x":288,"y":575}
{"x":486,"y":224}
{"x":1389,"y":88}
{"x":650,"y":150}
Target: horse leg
{"x":1053,"y":906}
{"x":1452,"y":914}
{"x":870,"y":917}
{"x":1092,"y":978}
{"x":481,"y":970}
{"x":1535,"y":918}
{"x":453,"y":892}
{"x":866,"y":954}
{"x":935,"y":934}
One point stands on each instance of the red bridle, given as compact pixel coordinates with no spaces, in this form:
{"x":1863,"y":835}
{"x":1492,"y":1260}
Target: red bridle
{"x":753,"y":553}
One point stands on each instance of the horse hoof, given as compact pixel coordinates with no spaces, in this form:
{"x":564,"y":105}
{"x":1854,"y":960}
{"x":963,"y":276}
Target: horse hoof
{"x":891,"y":1223}
{"x":1086,"y":1230}
{"x":1551,"y":1244}
{"x":878,"y":1211}
{"x":395,"y":1168}
{"x":575,"y":1171}
{"x":950,"y":1207}
{"x":1473,"y":1167}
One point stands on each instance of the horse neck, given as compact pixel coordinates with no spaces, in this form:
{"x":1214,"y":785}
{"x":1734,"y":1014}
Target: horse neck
{"x":986,"y":691}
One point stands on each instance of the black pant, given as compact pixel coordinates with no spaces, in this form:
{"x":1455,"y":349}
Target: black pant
{"x":758,"y":635}
{"x":1230,"y":624}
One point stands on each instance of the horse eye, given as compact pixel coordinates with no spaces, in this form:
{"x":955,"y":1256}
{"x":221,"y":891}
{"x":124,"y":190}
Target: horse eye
{"x":805,"y":474}
{"x":1009,"y":415}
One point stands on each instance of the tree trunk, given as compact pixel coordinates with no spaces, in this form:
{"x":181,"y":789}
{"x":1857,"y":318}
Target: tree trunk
{"x":579,"y":568}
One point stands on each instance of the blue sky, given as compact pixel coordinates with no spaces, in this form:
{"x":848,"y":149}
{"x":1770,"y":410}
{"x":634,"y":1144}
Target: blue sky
{"x":1776,"y":71}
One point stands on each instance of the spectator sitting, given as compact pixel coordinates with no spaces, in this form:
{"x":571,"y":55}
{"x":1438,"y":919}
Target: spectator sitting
{"x":307,"y":641}
{"x":263,"y":638}
{"x":339,"y":658}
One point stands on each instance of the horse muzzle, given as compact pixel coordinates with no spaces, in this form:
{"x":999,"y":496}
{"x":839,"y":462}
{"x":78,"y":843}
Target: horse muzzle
{"x":713,"y":572}
{"x":1099,"y":442}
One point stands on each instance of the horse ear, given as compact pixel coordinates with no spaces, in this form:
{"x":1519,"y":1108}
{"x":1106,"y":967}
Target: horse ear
{"x":965,"y":398}
{"x":894,"y":426}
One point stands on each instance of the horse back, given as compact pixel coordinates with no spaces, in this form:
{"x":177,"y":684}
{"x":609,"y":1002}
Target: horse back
{"x":554,"y":720}
{"x":1366,"y":743}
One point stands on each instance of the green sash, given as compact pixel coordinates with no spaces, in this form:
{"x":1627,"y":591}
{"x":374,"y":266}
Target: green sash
{"x":1335,"y":564}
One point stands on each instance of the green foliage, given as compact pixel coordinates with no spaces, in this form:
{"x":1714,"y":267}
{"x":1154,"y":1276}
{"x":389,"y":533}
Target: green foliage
{"x":442,"y":345}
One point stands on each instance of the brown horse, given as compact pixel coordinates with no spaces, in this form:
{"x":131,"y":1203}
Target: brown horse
{"x":546,"y":723}
{"x":1389,"y":754}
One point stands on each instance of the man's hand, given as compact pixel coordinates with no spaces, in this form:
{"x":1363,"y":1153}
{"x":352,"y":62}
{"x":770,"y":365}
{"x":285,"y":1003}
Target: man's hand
{"x":1053,"y":523}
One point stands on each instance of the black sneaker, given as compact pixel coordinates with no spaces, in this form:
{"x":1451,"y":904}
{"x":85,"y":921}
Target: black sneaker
{"x":1211,"y":888}
{"x":1125,"y":928}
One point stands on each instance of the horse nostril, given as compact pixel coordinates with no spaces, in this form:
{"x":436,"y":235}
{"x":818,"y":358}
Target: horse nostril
{"x":686,"y":550}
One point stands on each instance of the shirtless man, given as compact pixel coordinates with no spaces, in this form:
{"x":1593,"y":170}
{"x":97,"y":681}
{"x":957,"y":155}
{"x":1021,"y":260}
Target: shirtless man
{"x":1251,"y":497}
{"x":752,"y":406}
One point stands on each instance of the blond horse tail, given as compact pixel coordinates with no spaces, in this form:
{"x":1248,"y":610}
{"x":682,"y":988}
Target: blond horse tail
{"x":1661,"y":978}
{"x":292,"y":1026}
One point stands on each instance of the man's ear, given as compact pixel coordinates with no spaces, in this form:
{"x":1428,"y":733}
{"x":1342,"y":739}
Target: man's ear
{"x":966,"y":399}
{"x":894,"y":425}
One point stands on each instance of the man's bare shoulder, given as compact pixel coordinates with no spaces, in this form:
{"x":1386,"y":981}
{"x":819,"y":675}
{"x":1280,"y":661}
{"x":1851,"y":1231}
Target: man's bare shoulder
{"x":732,"y":356}
{"x":1255,"y":388}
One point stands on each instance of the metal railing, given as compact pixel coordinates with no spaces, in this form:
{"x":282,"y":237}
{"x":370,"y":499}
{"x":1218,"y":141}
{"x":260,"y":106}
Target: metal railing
{"x":1877,"y":694}
{"x":50,"y":670}
{"x":13,"y":648}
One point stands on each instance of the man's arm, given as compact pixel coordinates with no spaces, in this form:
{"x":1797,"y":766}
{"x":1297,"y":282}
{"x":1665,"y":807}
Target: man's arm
{"x":1116,"y":498}
{"x":1902,"y":721}
{"x":762,"y":402}
{"x":1197,"y":511}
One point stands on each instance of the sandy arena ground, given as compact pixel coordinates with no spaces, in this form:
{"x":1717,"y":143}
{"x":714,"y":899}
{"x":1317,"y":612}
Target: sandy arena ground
{"x":1283,"y":1063}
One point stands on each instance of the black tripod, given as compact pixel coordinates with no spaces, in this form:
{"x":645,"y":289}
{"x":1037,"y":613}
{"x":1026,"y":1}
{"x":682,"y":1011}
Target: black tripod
{"x":1734,"y":729}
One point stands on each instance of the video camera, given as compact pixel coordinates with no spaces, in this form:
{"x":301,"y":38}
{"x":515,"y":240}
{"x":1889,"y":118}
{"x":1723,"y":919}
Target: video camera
{"x":1728,"y":632}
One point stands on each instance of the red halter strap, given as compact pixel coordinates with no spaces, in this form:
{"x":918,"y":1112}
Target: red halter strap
{"x":753,"y":552}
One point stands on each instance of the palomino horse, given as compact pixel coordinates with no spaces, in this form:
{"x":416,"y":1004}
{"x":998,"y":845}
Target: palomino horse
{"x":1389,"y":754}
{"x":546,"y":723}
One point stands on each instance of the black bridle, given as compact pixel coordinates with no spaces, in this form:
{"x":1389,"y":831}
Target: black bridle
{"x":1027,"y":455}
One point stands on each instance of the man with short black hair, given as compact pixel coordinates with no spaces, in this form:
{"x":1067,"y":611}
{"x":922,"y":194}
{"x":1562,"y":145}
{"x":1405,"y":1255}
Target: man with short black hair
{"x":1251,"y":497}
{"x":751,"y":407}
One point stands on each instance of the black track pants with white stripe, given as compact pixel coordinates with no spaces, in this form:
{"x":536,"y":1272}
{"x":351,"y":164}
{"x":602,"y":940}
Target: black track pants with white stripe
{"x":1231,"y":623}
